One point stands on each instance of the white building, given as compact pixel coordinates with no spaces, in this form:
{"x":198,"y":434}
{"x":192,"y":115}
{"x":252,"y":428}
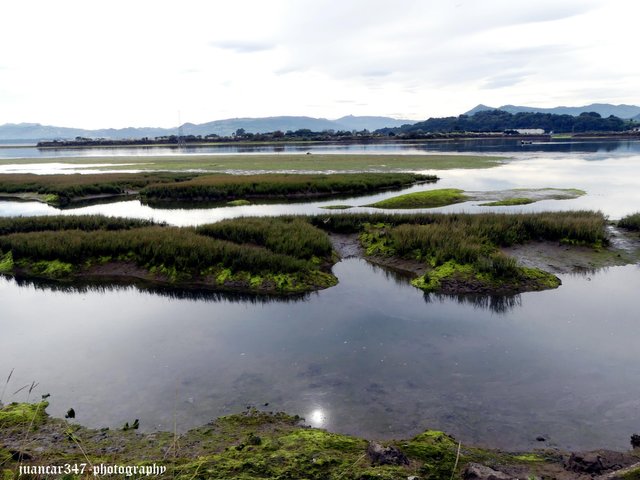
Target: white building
{"x":530,"y":131}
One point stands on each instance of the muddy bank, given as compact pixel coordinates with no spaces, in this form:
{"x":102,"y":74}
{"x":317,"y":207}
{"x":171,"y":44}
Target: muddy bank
{"x":623,"y":249}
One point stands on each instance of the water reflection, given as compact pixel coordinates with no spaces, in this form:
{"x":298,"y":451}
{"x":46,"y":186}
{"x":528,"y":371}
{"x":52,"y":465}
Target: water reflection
{"x":409,"y":147}
{"x":367,"y":357}
{"x":495,"y":303}
{"x":106,"y":285}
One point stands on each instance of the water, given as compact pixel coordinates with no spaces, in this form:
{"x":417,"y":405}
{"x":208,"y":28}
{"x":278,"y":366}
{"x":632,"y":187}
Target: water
{"x":407,"y":147}
{"x":610,"y":180}
{"x":372,"y":356}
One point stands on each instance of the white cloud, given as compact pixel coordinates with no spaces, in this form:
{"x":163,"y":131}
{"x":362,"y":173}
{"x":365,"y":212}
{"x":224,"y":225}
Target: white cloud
{"x":117,"y":63}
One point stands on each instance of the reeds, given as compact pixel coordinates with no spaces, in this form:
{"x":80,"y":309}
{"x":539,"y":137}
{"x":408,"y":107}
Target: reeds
{"x":630,"y":222}
{"x":501,"y":229}
{"x":289,"y":236}
{"x":225,"y":187}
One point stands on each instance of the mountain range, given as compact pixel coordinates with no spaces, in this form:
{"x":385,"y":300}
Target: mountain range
{"x":36,"y":131}
{"x":604,"y":109}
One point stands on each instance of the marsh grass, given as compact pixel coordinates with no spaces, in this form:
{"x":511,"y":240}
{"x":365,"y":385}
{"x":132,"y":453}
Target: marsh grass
{"x":222,"y":187}
{"x":289,"y":236}
{"x":285,"y":255}
{"x":64,"y":188}
{"x":630,"y":222}
{"x":68,"y":222}
{"x":501,"y":229}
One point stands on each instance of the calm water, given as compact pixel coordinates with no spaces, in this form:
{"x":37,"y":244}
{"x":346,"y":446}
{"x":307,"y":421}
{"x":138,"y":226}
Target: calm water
{"x":612,"y":183}
{"x":371,"y":356}
{"x":459,"y":146}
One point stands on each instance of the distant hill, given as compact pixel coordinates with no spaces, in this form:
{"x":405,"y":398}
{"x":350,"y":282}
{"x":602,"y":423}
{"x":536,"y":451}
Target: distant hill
{"x":604,"y":109}
{"x":36,"y":131}
{"x":500,"y":121}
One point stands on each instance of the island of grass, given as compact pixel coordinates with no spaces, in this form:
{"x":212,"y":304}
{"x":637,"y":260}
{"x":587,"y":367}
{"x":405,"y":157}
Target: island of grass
{"x":61,"y":189}
{"x":259,"y":255}
{"x":449,"y":196}
{"x":446,"y":253}
{"x":463,"y":253}
{"x":337,"y":207}
{"x":258,"y":445}
{"x":426,"y":199}
{"x":278,"y":162}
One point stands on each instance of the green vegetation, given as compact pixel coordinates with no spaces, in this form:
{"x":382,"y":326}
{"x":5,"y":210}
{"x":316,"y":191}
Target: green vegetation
{"x":509,"y":202}
{"x":251,"y":445}
{"x":501,"y":121}
{"x":23,"y":414}
{"x":427,"y":199}
{"x":258,"y":255}
{"x":289,"y":236}
{"x":222,"y":187}
{"x":63,"y":189}
{"x":68,"y":222}
{"x":281,"y":162}
{"x":630,"y":222}
{"x":238,"y":203}
{"x":462,"y":251}
{"x":337,"y":207}
{"x":448,"y":196}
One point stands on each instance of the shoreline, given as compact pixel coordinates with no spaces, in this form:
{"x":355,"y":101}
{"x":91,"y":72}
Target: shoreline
{"x":262,"y":444}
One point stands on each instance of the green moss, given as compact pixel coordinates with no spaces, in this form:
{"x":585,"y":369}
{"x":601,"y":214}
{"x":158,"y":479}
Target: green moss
{"x":168,"y":271}
{"x":431,"y":281}
{"x":544,"y":280}
{"x":375,"y":240}
{"x":52,"y":199}
{"x":529,"y":457}
{"x":632,"y":475}
{"x":255,"y":281}
{"x":337,"y":207}
{"x":223,"y":276}
{"x":52,"y":268}
{"x":6,"y":263}
{"x":23,"y":414}
{"x":437,"y":451}
{"x":238,"y":203}
{"x":509,"y":202}
{"x":427,"y":199}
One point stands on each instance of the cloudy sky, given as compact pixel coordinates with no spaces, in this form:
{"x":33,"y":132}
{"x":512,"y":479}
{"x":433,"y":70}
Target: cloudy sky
{"x":140,"y":63}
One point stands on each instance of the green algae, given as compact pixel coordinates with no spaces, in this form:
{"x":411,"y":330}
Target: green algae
{"x":428,"y":199}
{"x":238,"y":203}
{"x":6,"y":263}
{"x":23,"y":414}
{"x":337,"y":207}
{"x":52,"y":268}
{"x":509,"y":202}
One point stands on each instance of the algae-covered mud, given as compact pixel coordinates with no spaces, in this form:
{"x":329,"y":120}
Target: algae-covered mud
{"x":260,"y":444}
{"x":450,"y":196}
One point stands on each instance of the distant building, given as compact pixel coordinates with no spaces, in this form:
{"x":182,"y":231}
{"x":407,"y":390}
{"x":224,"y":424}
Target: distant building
{"x":530,"y":131}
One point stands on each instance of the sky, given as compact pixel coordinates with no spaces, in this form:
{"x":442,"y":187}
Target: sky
{"x":99,"y":64}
